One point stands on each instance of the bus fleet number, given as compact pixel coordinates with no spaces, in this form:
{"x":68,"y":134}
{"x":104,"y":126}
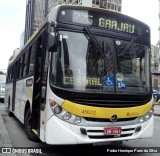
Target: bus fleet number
{"x":91,"y":112}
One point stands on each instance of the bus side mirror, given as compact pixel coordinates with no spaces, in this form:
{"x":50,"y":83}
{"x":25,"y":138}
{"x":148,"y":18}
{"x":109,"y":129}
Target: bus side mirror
{"x":52,"y":42}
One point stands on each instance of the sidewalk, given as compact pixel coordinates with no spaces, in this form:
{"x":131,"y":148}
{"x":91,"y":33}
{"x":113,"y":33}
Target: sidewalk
{"x":5,"y":140}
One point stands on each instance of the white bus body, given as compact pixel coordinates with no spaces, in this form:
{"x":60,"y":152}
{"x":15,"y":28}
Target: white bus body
{"x":70,"y":113}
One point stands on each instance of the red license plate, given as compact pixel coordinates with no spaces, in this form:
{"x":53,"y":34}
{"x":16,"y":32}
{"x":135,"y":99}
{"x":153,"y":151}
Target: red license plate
{"x":112,"y":130}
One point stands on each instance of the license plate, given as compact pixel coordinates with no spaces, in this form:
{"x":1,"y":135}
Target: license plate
{"x":112,"y":130}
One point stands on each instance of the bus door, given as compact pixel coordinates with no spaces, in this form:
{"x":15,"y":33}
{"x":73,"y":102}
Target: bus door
{"x":38,"y":82}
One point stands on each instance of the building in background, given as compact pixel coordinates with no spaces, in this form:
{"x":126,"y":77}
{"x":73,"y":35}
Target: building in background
{"x":37,"y":10}
{"x":155,"y":60}
{"x":155,"y":67}
{"x":22,"y":40}
{"x":15,"y":52}
{"x":28,"y":20}
{"x":115,"y":5}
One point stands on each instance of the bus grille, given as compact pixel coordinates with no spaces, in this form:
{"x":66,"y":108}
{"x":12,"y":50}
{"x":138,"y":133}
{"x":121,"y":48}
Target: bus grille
{"x":109,"y":103}
{"x":109,"y":136}
{"x":108,"y":120}
{"x":99,"y":133}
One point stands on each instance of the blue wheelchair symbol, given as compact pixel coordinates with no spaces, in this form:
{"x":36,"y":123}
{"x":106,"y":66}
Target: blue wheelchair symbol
{"x":109,"y":81}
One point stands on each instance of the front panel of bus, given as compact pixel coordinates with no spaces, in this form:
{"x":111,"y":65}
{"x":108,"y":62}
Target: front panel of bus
{"x":99,"y":78}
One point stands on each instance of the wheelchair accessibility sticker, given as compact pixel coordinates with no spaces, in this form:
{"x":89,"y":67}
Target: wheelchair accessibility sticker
{"x":109,"y":81}
{"x":121,"y":84}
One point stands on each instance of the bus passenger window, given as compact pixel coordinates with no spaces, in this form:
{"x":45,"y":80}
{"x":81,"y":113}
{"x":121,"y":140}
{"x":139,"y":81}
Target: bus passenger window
{"x":31,"y":66}
{"x":32,"y":59}
{"x":24,"y":64}
{"x":19,"y":69}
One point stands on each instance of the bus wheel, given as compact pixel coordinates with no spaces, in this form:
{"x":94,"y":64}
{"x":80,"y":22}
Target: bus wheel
{"x":27,"y":124}
{"x":10,"y":114}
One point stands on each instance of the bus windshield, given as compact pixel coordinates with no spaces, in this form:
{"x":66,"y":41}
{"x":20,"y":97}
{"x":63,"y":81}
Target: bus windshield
{"x":119,"y":66}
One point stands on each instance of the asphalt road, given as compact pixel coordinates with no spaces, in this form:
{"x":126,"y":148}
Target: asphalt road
{"x":19,"y":139}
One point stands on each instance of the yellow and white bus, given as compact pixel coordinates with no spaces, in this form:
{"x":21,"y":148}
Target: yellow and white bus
{"x":83,"y":78}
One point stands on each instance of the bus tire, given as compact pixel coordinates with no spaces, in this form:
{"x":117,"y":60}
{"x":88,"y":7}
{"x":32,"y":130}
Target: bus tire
{"x":31,"y":136}
{"x":10,"y":114}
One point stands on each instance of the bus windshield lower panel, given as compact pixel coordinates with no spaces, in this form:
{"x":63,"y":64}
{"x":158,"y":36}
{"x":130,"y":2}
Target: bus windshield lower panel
{"x":119,"y":66}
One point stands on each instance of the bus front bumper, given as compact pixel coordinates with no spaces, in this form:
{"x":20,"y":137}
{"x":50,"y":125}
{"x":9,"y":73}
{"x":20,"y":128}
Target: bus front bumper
{"x":59,"y":132}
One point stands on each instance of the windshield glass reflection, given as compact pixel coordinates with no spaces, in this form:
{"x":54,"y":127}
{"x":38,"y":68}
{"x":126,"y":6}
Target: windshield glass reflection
{"x":78,"y":65}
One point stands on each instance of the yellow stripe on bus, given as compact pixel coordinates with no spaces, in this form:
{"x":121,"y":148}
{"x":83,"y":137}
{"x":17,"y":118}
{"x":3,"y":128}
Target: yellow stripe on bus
{"x":102,"y":112}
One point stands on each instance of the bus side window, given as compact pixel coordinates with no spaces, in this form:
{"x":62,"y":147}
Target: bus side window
{"x":19,"y":66}
{"x":45,"y":69}
{"x":8,"y":74}
{"x":7,"y":77}
{"x":31,"y":68}
{"x":11,"y":74}
{"x":24,"y":64}
{"x":28,"y":61}
{"x":31,"y":59}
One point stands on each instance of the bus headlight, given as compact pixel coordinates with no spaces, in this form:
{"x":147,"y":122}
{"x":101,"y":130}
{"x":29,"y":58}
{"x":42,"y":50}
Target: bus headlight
{"x":77,"y":120}
{"x":66,"y":116}
{"x":141,"y":119}
{"x":151,"y":111}
{"x":57,"y":110}
{"x":146,"y":117}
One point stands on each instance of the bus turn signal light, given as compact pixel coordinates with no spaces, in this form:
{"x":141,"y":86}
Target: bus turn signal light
{"x":53,"y":103}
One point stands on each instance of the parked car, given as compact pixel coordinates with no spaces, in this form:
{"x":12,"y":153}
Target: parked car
{"x":156,"y":95}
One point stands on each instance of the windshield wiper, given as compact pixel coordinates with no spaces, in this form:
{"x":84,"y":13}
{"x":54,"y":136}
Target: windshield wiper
{"x":93,"y":40}
{"x":128,"y":46}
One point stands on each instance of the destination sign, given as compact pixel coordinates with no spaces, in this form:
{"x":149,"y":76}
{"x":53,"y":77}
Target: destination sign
{"x":104,"y":19}
{"x":90,"y":81}
{"x":116,"y":25}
